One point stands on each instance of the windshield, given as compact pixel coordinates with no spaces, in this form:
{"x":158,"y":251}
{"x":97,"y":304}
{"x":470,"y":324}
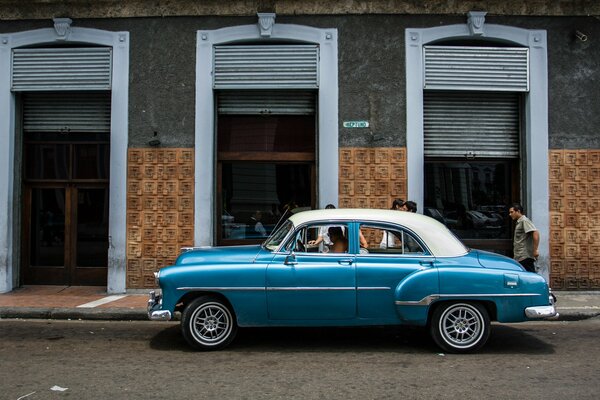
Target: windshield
{"x":276,"y":238}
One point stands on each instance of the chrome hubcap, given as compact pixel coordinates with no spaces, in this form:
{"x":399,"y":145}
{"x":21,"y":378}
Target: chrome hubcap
{"x":211,"y":323}
{"x":461,"y":325}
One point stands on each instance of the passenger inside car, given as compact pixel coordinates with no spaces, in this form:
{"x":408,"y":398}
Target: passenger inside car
{"x":339,"y":240}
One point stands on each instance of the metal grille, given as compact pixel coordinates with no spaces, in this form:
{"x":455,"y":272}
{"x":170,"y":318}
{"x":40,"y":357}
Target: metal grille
{"x":61,"y":69}
{"x":252,"y":102}
{"x":476,"y":68}
{"x":471,"y":124}
{"x":266,"y":67}
{"x":66,"y":112}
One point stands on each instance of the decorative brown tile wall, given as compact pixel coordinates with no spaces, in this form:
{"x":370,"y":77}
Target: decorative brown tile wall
{"x":575,"y":219}
{"x":160,"y":210}
{"x":371,"y":177}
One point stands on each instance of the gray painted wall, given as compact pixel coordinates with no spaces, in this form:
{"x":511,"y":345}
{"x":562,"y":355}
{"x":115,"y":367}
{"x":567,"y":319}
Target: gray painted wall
{"x":371,"y":73}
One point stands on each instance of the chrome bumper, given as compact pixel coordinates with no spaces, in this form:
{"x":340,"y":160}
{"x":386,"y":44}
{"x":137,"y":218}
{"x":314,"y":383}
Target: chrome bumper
{"x":154,"y":308}
{"x":543,"y":312}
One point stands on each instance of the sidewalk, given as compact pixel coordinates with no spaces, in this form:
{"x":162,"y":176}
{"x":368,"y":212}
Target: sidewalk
{"x":73,"y":302}
{"x":92,"y":302}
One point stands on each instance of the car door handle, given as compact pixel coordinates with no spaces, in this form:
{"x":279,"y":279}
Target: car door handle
{"x":426,"y":263}
{"x":345,"y":261}
{"x":290,"y":259}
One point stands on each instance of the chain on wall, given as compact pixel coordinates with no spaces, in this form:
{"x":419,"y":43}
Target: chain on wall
{"x":160,"y":210}
{"x":575,"y":219}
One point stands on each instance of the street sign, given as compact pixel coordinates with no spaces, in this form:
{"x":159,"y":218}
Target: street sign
{"x":356,"y":124}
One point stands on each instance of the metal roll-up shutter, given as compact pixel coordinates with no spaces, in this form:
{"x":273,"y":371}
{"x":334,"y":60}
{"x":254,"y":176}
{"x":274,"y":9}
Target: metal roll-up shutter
{"x":66,"y":112}
{"x":266,"y":67}
{"x":252,"y":102}
{"x":72,"y":68}
{"x":476,"y":68}
{"x":471,"y":124}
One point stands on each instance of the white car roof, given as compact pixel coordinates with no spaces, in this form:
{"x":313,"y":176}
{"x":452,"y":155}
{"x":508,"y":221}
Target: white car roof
{"x":440,"y":241}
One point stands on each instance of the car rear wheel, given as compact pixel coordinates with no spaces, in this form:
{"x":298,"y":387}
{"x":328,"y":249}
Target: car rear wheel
{"x":207,"y":323}
{"x":460,"y":327}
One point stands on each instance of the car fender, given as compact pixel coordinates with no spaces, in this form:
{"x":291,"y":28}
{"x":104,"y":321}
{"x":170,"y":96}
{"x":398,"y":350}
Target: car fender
{"x":412,"y":295}
{"x":242,"y":286}
{"x":505,"y":293}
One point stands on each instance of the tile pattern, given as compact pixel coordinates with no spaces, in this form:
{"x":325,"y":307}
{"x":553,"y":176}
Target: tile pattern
{"x":574,"y":219}
{"x":160,"y":210}
{"x":371,"y":177}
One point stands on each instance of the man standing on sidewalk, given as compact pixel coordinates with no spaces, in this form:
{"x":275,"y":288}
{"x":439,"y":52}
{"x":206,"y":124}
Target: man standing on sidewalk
{"x":526,"y":239}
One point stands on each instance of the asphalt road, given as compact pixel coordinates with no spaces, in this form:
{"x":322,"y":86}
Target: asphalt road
{"x":150,"y":360}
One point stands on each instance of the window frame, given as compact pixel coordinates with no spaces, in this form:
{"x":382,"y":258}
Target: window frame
{"x":397,"y":228}
{"x":317,"y":224}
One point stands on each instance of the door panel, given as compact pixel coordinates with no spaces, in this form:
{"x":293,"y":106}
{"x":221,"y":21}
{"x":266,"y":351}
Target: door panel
{"x":312,"y":287}
{"x":90,"y":235}
{"x":378,"y":276}
{"x":47,"y":227}
{"x":45,"y":233}
{"x":92,"y":227}
{"x":46,"y":161}
{"x":393,"y":253}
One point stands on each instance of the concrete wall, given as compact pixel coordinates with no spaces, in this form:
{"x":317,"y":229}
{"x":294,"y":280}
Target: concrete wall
{"x":45,"y":9}
{"x":372,"y":87}
{"x":371,"y":73}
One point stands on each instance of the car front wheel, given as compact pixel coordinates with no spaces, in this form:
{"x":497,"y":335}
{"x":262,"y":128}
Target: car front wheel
{"x":208,"y":323}
{"x":460,"y":327}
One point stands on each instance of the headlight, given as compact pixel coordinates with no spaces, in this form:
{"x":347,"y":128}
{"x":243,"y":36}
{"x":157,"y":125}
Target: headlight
{"x":156,"y":278}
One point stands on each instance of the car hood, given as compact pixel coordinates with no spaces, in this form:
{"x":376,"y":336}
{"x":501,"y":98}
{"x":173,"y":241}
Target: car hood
{"x":488,"y":259}
{"x":221,"y":255}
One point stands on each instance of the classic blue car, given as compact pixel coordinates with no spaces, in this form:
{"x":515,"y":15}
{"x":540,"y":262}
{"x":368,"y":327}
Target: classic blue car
{"x":349,"y":267}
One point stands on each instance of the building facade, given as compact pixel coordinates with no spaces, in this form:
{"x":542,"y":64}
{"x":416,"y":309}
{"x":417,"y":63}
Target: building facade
{"x":132,"y":130}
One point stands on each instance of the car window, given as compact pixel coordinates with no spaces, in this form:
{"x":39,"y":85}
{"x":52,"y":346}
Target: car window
{"x":390,"y":240}
{"x":320,"y":238}
{"x":273,"y":242}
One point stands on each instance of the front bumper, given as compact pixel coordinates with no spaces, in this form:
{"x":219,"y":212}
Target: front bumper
{"x":155,"y":312}
{"x":543,"y":312}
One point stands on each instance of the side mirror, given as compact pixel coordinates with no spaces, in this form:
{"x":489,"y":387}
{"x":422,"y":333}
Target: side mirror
{"x":290,"y":259}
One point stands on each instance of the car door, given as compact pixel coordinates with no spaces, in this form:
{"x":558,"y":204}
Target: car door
{"x":392,"y":254}
{"x":307,"y":282}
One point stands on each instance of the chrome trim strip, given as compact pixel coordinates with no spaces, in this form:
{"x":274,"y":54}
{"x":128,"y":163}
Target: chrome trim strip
{"x":397,"y":255}
{"x":308,"y":288}
{"x":221,"y":288}
{"x":279,"y":288}
{"x":427,"y":300}
{"x":490,"y":295}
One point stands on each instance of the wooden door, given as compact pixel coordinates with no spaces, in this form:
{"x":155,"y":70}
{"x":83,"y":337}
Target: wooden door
{"x":66,"y":234}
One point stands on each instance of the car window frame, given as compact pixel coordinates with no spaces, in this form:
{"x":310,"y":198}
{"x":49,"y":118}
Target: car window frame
{"x":283,"y":249}
{"x":284,"y":240}
{"x":394,"y":227}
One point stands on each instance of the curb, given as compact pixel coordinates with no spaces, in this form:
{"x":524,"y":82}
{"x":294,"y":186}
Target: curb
{"x":126,"y":314}
{"x":573,"y":315}
{"x":108,"y":314}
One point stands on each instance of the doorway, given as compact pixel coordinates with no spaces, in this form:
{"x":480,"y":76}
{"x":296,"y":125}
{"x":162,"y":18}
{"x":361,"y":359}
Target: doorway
{"x":65,"y":204}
